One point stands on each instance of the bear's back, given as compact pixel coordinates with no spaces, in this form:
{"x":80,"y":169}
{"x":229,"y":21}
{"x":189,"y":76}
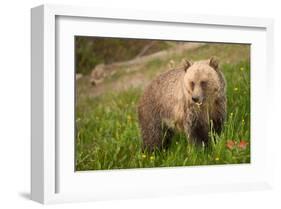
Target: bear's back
{"x":165,"y":85}
{"x":163,"y":93}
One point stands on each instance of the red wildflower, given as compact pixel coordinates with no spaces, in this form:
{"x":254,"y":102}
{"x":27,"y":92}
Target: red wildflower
{"x":230,"y":144}
{"x":242,"y":144}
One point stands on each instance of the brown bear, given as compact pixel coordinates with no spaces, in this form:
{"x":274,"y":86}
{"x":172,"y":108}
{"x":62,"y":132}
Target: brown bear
{"x":189,"y":99}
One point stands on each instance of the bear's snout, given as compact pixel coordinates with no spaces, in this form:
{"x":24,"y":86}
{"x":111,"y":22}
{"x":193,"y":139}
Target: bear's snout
{"x":197,"y":99}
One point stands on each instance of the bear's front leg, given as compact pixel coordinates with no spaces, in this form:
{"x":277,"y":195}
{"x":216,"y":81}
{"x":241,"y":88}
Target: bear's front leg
{"x":197,"y":132}
{"x":218,"y":116}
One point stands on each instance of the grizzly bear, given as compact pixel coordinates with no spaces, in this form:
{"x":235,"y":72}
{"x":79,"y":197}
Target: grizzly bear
{"x":190,"y":99}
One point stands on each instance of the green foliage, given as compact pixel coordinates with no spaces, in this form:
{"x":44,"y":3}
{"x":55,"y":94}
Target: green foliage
{"x":91,"y":51}
{"x":108,"y":135}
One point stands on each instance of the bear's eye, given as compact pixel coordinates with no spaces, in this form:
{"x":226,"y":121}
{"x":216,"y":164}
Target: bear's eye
{"x":203,"y":84}
{"x":192,"y":84}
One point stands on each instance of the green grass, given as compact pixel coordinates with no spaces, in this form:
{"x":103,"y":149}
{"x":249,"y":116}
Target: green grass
{"x":108,"y":135}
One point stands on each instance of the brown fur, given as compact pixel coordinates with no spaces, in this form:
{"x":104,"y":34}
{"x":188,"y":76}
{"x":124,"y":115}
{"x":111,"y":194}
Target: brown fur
{"x":167,"y":104}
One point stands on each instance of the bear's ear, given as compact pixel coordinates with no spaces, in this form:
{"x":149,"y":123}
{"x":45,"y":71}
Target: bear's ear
{"x":214,"y":63}
{"x":186,"y":64}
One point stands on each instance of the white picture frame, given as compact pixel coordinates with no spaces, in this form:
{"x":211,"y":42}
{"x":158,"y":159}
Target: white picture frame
{"x":52,"y":173}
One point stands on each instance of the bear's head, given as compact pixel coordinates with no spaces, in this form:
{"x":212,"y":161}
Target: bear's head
{"x":201,"y":80}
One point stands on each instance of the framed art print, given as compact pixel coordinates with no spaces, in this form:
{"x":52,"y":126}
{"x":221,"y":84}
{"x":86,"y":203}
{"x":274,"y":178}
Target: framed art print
{"x":132,"y":104}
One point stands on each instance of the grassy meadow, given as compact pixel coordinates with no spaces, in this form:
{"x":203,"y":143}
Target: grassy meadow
{"x":107,"y":130}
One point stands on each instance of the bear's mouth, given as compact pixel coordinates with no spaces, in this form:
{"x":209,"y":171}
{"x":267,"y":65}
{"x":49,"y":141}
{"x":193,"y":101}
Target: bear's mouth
{"x":198,"y":103}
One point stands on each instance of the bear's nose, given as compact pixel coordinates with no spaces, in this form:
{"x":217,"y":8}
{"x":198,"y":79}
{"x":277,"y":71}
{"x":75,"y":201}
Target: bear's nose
{"x":195,"y":99}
